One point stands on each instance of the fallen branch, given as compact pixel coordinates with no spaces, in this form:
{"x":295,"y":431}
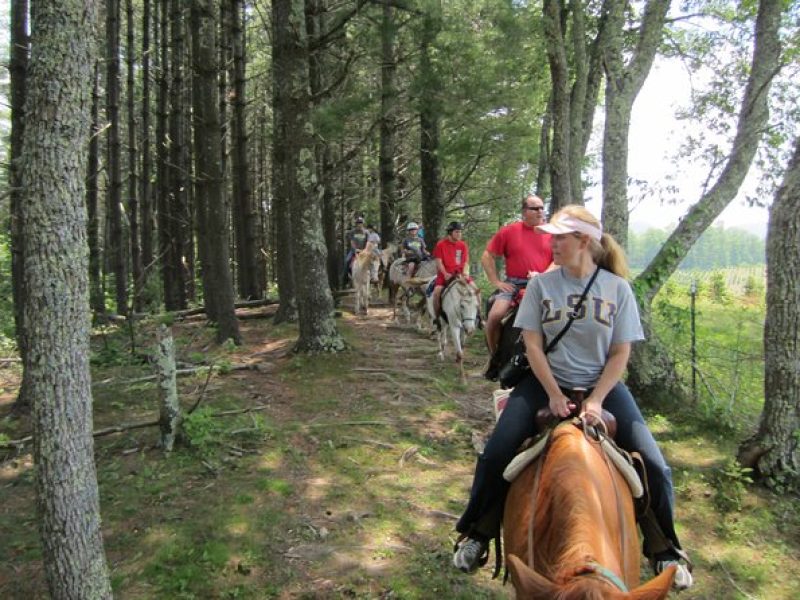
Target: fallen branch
{"x":243,"y":304}
{"x":179,"y":372}
{"x":352,"y":423}
{"x":11,"y":444}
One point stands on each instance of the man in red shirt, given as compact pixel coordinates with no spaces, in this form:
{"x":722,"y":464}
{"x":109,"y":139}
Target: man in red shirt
{"x":452,"y":255}
{"x":526,"y":253}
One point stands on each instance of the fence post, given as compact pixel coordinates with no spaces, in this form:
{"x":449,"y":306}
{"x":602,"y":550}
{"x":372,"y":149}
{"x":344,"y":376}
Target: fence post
{"x":693,"y":293}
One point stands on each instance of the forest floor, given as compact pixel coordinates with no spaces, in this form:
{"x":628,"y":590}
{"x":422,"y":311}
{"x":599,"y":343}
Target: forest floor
{"x":344,"y":479}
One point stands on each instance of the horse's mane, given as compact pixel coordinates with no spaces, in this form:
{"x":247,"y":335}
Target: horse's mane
{"x":572,"y":508}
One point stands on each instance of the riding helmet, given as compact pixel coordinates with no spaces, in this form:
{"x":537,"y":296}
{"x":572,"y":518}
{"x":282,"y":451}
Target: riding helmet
{"x":453,"y":225}
{"x":411,"y":225}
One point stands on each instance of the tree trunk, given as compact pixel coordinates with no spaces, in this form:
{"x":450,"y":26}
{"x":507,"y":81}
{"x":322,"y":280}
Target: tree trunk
{"x":115,"y":241}
{"x":318,"y":332}
{"x":559,"y":75}
{"x":57,"y":309}
{"x":623,"y":84}
{"x":133,"y":176}
{"x":316,"y":11}
{"x":96,"y":296}
{"x":173,"y":266}
{"x":386,"y":167}
{"x":753,"y":115}
{"x":18,"y":69}
{"x":162,"y":145}
{"x":211,"y":210}
{"x":169,"y":404}
{"x":429,"y":118}
{"x":148,"y":225}
{"x":281,"y":106}
{"x":774,"y":451}
{"x":248,"y":242}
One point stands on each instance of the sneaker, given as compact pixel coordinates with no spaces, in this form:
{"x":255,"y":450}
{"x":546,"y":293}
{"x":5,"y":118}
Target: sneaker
{"x":683,"y":576}
{"x":471,"y":554}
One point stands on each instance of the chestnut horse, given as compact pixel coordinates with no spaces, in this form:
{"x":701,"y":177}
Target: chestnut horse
{"x":584,"y":536}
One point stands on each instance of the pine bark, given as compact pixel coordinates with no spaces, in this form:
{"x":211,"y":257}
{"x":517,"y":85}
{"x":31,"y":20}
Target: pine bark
{"x":317,"y":326}
{"x":96,"y":295}
{"x":248,"y":243}
{"x":388,"y":150}
{"x":56,"y":313}
{"x":211,"y":210}
{"x":18,"y":69}
{"x":133,"y":172}
{"x":281,"y":106}
{"x":174,"y":221}
{"x":116,"y":238}
{"x":774,"y":451}
{"x":146,"y":191}
{"x":430,"y":115}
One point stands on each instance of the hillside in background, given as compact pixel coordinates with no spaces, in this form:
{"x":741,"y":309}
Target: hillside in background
{"x":717,"y":248}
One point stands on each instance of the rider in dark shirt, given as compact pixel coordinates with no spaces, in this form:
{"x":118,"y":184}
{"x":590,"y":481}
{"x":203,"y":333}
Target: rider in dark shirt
{"x":357,"y":237}
{"x":413,"y":248}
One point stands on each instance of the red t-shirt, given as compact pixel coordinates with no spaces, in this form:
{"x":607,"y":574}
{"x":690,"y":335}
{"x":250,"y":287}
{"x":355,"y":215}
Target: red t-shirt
{"x":454,"y":256}
{"x":523,"y":248}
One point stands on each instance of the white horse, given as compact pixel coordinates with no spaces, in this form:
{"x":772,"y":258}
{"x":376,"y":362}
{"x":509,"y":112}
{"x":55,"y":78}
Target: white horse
{"x":362,"y":267}
{"x":402,"y":287}
{"x":460,"y":304}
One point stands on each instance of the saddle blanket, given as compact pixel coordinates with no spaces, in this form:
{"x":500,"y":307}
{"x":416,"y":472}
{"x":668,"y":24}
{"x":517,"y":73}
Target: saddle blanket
{"x":523,"y":459}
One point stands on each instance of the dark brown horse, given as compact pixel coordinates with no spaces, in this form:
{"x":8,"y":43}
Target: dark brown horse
{"x":584,"y":536}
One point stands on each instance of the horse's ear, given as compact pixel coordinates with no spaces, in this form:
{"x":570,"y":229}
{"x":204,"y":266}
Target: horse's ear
{"x":528,"y":583}
{"x":655,"y":589}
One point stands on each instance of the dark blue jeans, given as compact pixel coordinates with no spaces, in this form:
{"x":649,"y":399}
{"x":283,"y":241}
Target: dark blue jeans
{"x":484,"y":512}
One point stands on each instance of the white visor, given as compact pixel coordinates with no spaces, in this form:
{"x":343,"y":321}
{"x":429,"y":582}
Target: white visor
{"x":567,"y":224}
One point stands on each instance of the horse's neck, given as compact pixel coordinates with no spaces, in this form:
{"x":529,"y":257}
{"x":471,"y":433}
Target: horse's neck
{"x":571,"y":519}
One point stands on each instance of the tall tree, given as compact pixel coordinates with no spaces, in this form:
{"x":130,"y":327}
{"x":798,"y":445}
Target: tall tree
{"x":174,"y":220}
{"x":96,"y":296}
{"x":774,"y":451}
{"x":212,"y":214}
{"x":146,"y":191}
{"x":623,"y":83}
{"x":246,"y":226}
{"x":651,"y":373}
{"x":115,"y":239}
{"x":57,"y":308}
{"x":559,"y":74}
{"x":430,"y":114}
{"x":133,"y":175}
{"x":386,"y":166}
{"x":18,"y":69}
{"x":318,"y":332}
{"x":281,"y":106}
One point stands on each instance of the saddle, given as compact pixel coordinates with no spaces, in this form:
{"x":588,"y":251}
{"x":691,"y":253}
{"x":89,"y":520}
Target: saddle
{"x":547,"y":422}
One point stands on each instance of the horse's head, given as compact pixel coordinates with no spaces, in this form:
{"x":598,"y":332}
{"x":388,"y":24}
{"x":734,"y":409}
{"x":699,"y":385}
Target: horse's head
{"x":468,"y":304}
{"x":532,"y":586}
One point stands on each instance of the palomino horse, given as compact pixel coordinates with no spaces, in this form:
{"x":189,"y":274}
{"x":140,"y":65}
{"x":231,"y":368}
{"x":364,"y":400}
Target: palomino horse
{"x":362,"y":265}
{"x":577,"y":514}
{"x":460,"y":304}
{"x":402,"y":288}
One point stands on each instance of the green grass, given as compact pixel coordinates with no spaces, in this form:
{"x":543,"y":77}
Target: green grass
{"x":343,"y":481}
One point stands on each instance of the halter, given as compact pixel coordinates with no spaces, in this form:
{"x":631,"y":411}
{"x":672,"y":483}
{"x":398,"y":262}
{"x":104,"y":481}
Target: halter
{"x":449,"y":287}
{"x":604,"y":574}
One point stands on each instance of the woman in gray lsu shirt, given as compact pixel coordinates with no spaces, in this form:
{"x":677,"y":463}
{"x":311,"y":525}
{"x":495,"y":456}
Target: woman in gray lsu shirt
{"x":593,"y":355}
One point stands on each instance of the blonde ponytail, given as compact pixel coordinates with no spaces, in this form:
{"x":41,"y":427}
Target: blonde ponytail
{"x":606,"y":253}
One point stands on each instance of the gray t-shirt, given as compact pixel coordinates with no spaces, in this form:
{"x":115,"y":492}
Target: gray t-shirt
{"x":609,"y":315}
